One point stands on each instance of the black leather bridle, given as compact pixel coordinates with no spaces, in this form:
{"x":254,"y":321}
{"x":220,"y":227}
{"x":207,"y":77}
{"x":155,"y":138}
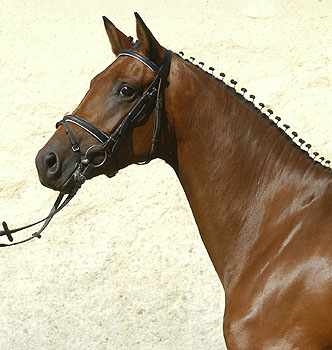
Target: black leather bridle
{"x":108,"y":144}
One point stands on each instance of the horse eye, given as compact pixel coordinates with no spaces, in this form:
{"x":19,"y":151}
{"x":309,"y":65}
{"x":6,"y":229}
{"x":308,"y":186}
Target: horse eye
{"x":127,"y":91}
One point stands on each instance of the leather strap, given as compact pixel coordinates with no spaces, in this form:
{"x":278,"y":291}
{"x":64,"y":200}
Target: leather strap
{"x":141,"y":58}
{"x":92,"y":130}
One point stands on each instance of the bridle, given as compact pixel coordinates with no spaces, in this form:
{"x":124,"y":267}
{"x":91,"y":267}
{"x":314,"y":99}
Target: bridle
{"x":108,"y":144}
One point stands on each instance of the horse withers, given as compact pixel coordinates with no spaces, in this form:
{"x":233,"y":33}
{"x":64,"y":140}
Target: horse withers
{"x":261,"y":203}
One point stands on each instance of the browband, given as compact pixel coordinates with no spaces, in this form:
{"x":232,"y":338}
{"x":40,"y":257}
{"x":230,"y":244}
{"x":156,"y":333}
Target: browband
{"x":142,"y":59}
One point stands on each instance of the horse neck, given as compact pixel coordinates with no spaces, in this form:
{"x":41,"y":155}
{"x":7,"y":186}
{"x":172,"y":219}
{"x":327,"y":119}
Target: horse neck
{"x":230,"y":161}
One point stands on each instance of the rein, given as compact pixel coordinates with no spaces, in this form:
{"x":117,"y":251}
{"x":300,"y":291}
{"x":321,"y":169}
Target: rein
{"x":108,"y":144}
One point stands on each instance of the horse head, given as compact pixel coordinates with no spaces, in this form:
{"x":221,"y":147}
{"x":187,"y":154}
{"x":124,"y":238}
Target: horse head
{"x":119,"y":120}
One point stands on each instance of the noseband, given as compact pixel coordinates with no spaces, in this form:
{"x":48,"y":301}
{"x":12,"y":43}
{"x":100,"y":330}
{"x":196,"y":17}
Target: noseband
{"x":108,"y":144}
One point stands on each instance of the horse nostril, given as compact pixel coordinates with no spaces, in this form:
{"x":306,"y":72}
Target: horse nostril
{"x":52,"y":164}
{"x":50,"y":160}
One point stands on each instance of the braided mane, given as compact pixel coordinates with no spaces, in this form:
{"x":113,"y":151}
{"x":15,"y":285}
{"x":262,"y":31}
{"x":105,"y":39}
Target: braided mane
{"x":265,"y":114}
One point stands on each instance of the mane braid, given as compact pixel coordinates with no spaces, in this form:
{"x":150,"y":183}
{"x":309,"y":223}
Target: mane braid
{"x":259,"y":111}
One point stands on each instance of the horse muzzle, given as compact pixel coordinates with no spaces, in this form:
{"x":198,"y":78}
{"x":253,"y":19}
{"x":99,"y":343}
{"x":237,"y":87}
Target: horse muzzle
{"x":55,"y":168}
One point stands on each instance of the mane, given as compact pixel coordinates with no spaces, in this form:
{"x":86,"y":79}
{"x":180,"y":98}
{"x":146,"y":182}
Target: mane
{"x":292,"y":137}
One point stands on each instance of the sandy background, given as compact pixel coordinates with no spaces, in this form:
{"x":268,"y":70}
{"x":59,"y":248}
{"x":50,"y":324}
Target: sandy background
{"x":123,"y":267}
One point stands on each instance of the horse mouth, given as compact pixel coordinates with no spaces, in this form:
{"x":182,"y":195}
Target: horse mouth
{"x":68,"y":184}
{"x":65,"y":187}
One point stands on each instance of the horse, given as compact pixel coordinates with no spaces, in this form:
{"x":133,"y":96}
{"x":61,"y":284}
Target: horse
{"x":261,"y":202}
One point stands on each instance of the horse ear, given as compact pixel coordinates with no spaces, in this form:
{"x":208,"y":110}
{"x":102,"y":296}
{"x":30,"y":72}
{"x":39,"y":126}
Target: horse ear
{"x":118,"y":40}
{"x":151,"y":47}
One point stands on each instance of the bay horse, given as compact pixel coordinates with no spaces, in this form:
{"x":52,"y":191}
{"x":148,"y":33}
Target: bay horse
{"x":261,"y":203}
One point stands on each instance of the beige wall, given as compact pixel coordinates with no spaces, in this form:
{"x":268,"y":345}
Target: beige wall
{"x":123,"y":266}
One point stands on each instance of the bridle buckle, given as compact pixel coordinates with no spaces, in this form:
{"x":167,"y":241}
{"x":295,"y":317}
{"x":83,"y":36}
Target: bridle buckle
{"x":75,"y":147}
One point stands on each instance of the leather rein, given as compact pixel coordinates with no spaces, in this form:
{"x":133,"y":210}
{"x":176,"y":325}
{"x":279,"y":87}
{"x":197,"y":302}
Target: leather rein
{"x":107,"y":144}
